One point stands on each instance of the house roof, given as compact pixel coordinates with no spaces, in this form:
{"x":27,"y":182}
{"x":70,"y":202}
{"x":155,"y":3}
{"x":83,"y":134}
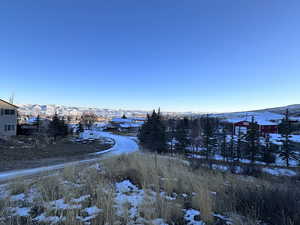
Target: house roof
{"x":259,"y":121}
{"x":8,"y":103}
{"x":121,"y":120}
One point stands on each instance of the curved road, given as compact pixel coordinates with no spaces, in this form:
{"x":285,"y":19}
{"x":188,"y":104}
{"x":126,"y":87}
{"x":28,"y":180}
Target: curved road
{"x":123,"y":145}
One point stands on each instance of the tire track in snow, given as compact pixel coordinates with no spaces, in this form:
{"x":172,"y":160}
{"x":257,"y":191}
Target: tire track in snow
{"x":123,"y":145}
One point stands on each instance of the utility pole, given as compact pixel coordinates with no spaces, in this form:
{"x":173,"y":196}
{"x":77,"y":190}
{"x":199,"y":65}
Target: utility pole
{"x":12,"y":98}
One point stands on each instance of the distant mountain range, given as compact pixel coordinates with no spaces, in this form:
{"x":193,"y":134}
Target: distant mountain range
{"x":48,"y":110}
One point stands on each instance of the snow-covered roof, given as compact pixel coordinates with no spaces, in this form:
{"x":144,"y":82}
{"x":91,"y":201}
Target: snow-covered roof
{"x":121,"y":120}
{"x":128,"y":120}
{"x":138,"y":118}
{"x":31,"y":120}
{"x":260,"y":121}
{"x":130,"y":125}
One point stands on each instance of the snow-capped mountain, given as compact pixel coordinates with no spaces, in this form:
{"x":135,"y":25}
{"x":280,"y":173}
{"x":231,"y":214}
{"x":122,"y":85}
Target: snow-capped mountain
{"x":49,"y":110}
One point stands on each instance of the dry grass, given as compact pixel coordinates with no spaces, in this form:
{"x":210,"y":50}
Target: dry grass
{"x":244,"y":199}
{"x":18,"y":186}
{"x":171,"y":176}
{"x":50,"y":188}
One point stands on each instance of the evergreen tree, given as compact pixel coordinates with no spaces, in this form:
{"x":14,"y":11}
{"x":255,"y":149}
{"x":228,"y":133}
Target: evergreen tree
{"x":57,"y":127}
{"x":230,"y":155}
{"x":186,"y":123}
{"x":285,"y":130}
{"x":79,"y":128}
{"x":209,"y":141}
{"x":152,"y":134}
{"x":171,"y":130}
{"x":252,"y":138}
{"x":124,"y":116}
{"x":54,"y":127}
{"x":267,"y":152}
{"x":224,"y":146}
{"x":37,"y":123}
{"x":195,"y":134}
{"x":64,"y":130}
{"x":239,"y":145}
{"x":181,"y":136}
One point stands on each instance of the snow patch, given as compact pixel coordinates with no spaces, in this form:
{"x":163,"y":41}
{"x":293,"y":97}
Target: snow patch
{"x":190,"y":215}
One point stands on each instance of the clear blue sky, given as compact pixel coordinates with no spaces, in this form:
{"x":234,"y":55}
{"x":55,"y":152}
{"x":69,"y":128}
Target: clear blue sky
{"x":200,"y":55}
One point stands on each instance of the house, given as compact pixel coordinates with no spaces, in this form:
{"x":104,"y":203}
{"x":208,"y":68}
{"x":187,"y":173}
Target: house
{"x":128,"y":124}
{"x":31,"y":126}
{"x":265,"y":127}
{"x":8,"y":119}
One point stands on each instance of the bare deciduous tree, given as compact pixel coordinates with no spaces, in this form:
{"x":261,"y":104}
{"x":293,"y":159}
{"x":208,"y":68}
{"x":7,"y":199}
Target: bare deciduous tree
{"x":88,"y":119}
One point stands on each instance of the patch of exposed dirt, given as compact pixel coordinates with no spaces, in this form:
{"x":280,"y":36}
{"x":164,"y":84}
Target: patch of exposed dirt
{"x":14,"y":157}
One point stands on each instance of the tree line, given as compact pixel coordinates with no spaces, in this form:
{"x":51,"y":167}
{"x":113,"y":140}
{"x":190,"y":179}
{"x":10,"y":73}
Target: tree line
{"x":58,"y":127}
{"x":207,"y":135}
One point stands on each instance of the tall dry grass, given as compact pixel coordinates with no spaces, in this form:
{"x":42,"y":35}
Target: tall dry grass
{"x":162,"y":173}
{"x":245,"y":199}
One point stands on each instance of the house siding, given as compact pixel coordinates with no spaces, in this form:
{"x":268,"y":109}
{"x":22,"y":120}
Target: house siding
{"x":8,"y":122}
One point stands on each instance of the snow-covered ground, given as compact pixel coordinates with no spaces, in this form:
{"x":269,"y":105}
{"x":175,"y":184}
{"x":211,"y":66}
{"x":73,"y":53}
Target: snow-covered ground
{"x":263,"y":117}
{"x":122,"y":145}
{"x":272,"y":171}
{"x":275,"y":138}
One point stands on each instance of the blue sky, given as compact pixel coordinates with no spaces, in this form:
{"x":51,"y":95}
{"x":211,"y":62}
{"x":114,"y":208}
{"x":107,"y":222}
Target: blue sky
{"x":199,"y":55}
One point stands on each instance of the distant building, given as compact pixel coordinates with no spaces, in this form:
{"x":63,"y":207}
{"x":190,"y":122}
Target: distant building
{"x":128,"y":124}
{"x":8,"y":119}
{"x":31,"y":126}
{"x":265,"y":127}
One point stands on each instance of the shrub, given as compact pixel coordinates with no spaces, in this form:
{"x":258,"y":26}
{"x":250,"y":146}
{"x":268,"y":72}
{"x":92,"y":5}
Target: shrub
{"x":278,"y":205}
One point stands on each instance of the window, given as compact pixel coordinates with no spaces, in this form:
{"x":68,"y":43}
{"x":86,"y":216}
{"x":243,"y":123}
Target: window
{"x":2,"y":112}
{"x":9,"y":127}
{"x":8,"y":112}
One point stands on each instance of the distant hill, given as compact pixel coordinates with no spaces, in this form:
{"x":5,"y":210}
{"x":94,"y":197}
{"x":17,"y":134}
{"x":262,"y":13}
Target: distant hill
{"x":263,"y":116}
{"x":293,"y":109}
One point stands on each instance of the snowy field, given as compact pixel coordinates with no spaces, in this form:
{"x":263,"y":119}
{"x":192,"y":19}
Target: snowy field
{"x":122,"y":145}
{"x":81,"y":194}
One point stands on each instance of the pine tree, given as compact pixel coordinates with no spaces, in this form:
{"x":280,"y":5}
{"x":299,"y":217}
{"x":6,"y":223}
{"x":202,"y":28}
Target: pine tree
{"x":267,"y":153}
{"x":195,"y":133}
{"x":285,"y":130}
{"x":230,"y":155}
{"x":152,"y":134}
{"x":171,"y":130}
{"x":57,"y":127}
{"x":54,"y":127}
{"x":209,"y":141}
{"x":252,"y":138}
{"x":63,"y":128}
{"x":181,"y":136}
{"x":239,"y":145}
{"x":38,"y":123}
{"x":79,"y":128}
{"x":224,"y":146}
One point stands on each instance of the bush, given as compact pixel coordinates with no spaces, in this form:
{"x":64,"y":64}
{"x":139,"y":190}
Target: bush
{"x":278,"y":205}
{"x":251,"y":170}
